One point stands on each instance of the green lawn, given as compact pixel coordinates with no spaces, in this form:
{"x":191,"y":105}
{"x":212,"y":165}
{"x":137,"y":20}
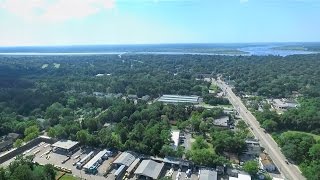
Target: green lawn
{"x":68,"y":177}
{"x":316,"y":137}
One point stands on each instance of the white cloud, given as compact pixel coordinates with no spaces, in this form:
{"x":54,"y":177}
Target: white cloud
{"x":55,"y":10}
{"x":244,"y":1}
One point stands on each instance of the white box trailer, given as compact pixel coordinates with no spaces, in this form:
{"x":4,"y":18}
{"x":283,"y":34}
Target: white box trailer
{"x":84,"y":160}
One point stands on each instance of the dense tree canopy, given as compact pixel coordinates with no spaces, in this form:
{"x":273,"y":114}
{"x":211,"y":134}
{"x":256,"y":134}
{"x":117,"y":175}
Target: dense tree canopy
{"x":23,"y":168}
{"x":56,"y":94}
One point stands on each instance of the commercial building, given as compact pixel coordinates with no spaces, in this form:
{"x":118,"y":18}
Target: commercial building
{"x":207,"y":174}
{"x":175,"y":136}
{"x":283,"y":104}
{"x":222,"y":122}
{"x":65,"y":146}
{"x":125,"y":158}
{"x":266,"y":163}
{"x":93,"y":164}
{"x":149,"y":169}
{"x":175,"y":99}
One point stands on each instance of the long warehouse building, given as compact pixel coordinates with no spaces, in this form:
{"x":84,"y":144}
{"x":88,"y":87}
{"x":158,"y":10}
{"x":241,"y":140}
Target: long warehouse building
{"x":91,"y":166}
{"x":174,"y":99}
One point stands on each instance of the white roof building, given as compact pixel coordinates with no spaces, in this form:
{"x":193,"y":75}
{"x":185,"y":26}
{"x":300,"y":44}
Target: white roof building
{"x":222,"y":121}
{"x":179,"y":99}
{"x":95,"y":159}
{"x":175,"y":136}
{"x":65,"y":144}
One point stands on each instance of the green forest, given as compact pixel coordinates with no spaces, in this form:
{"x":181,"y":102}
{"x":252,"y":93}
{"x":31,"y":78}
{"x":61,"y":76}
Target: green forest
{"x":55,"y":94}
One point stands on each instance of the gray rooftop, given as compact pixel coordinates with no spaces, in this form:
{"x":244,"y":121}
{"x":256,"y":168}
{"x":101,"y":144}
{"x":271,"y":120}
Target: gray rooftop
{"x":65,"y":144}
{"x":150,"y":169}
{"x":283,"y":103}
{"x":206,"y":174}
{"x":223,"y":121}
{"x":126,"y":158}
{"x":178,"y":99}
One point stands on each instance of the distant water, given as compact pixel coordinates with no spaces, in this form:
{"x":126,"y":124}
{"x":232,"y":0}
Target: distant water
{"x":191,"y":49}
{"x":109,"y":53}
{"x":268,"y":50}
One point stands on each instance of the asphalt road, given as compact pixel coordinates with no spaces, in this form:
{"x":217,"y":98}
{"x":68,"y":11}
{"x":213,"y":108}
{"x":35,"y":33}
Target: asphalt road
{"x":289,"y":171}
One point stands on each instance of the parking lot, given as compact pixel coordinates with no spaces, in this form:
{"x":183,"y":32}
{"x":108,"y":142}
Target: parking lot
{"x":186,"y":140}
{"x":43,"y":154}
{"x":182,"y":176}
{"x":42,"y":157}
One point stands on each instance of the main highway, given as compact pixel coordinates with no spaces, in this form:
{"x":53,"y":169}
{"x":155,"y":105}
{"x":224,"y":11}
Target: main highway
{"x":289,"y":171}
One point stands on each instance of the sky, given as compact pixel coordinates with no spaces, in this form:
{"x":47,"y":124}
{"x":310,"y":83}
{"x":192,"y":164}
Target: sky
{"x":80,"y":22}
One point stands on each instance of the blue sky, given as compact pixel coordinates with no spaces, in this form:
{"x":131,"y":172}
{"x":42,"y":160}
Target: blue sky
{"x":71,"y":22}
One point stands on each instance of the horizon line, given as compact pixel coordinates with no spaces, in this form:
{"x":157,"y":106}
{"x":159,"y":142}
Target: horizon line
{"x":152,"y":44}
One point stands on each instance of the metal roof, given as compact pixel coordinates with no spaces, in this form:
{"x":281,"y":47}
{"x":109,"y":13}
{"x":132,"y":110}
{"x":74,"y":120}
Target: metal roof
{"x":125,"y":158}
{"x":206,"y":174}
{"x":119,"y":170}
{"x":95,"y":159}
{"x":65,"y":144}
{"x":150,"y":169}
{"x":133,"y":165}
{"x":178,"y":99}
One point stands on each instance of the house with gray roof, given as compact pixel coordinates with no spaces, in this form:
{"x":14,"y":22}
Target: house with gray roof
{"x":149,"y":169}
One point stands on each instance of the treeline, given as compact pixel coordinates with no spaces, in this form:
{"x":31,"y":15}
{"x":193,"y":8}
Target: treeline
{"x":24,"y":168}
{"x":305,"y":118}
{"x":55,"y":93}
{"x":303,"y":150}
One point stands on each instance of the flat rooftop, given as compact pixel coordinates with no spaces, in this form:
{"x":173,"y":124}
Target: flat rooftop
{"x":206,"y":174}
{"x":95,"y":159}
{"x":65,"y":144}
{"x":222,"y":121}
{"x":178,"y":99}
{"x":175,"y":134}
